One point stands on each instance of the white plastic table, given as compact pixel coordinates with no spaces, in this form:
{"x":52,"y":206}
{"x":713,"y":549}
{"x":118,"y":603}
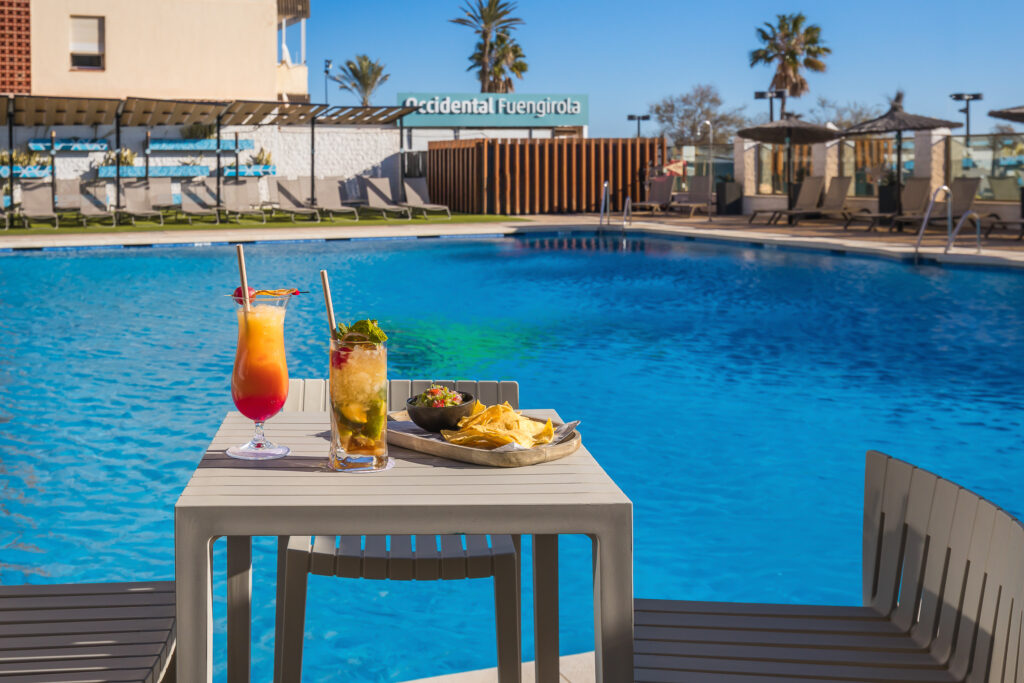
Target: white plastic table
{"x":421,"y":495}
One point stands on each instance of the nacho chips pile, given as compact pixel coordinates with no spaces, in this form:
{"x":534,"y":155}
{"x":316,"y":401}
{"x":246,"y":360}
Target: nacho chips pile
{"x":496,"y":426}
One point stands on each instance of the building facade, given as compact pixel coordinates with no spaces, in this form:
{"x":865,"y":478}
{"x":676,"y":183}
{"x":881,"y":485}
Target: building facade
{"x":167,"y":49}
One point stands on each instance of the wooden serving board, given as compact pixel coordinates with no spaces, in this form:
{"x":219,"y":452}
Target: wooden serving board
{"x":478,"y":456}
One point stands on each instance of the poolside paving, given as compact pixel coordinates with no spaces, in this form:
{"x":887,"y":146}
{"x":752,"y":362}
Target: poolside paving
{"x":1002,"y":250}
{"x":573,"y":669}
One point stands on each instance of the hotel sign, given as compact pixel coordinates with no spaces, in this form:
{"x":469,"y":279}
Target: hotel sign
{"x":491,"y":110}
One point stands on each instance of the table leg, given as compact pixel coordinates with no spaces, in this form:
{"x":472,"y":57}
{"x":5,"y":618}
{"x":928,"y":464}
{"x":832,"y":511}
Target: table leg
{"x":545,"y":607}
{"x":193,"y":608}
{"x":239,"y":606}
{"x":613,"y":604}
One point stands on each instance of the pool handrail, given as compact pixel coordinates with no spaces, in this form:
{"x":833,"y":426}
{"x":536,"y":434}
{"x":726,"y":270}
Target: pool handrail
{"x":928,"y":215}
{"x":960,"y":223}
{"x":627,"y":212}
{"x":605,"y":208}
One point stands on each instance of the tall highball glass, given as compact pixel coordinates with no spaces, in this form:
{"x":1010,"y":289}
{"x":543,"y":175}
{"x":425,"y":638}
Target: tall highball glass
{"x":259,"y":382}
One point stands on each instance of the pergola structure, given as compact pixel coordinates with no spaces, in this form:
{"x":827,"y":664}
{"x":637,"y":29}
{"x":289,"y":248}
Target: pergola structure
{"x":37,"y":110}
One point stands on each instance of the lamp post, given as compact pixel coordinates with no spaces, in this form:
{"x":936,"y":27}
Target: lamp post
{"x":711,"y":161}
{"x":771,"y":96}
{"x":327,"y":71}
{"x":638,"y":118}
{"x":966,"y":98}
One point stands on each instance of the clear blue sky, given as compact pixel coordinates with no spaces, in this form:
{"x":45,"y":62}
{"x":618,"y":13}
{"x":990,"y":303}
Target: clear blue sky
{"x":626,"y":56}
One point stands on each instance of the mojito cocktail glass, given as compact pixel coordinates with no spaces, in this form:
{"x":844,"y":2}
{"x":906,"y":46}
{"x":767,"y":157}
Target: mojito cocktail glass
{"x":358,"y":388}
{"x":259,"y":382}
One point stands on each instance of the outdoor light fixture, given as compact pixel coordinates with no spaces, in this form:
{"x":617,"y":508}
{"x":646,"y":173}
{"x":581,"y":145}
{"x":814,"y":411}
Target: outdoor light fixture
{"x":327,"y":71}
{"x":638,"y":118}
{"x":966,"y":98}
{"x":771,"y":96}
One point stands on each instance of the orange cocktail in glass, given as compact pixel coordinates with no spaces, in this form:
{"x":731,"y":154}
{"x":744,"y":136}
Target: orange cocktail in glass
{"x":259,"y":382}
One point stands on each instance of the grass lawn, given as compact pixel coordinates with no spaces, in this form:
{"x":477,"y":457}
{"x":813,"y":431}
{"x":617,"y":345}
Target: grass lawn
{"x":75,"y":227}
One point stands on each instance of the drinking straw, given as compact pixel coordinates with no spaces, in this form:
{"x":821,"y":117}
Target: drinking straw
{"x":241,"y":272}
{"x":327,"y":300}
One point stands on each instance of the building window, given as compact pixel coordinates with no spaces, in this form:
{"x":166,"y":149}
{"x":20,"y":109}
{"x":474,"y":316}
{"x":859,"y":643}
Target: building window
{"x":87,"y":42}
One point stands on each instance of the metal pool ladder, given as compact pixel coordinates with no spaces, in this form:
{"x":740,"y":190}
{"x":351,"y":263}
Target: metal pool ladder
{"x":627,"y":213}
{"x":927,"y":217}
{"x":605,"y":206}
{"x":960,"y":223}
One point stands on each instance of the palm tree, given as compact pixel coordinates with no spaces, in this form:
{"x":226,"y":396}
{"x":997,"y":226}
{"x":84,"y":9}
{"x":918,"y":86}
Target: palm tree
{"x":362,"y":76}
{"x":507,"y":61}
{"x":792,"y":47}
{"x":489,"y":19}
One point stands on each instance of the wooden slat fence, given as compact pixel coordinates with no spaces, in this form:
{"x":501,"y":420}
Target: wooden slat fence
{"x":558,"y":175}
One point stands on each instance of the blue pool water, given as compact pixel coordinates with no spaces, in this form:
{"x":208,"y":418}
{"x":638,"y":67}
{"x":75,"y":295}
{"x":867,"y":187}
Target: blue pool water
{"x":731,"y":392}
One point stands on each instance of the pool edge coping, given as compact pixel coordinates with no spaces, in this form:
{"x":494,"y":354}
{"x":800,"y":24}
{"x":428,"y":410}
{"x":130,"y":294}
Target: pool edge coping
{"x":557,"y":224}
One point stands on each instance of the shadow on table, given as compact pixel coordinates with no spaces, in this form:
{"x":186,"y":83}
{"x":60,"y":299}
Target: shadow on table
{"x":218,"y":458}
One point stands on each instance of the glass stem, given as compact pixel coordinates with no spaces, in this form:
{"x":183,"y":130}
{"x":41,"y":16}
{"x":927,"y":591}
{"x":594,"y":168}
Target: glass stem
{"x":258,"y":440}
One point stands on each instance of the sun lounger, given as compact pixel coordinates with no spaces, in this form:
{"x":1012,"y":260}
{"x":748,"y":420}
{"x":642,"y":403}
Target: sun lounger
{"x":698,"y":197}
{"x":378,"y":198}
{"x":329,"y":200}
{"x":914,"y":199}
{"x":94,"y":204}
{"x":211,"y":186}
{"x":832,"y":206}
{"x":393,"y":557}
{"x":807,"y":200}
{"x":290,"y":199}
{"x":994,"y":221}
{"x":417,"y":196}
{"x":942,"y":585}
{"x":160,"y":194}
{"x":88,"y":632}
{"x":1004,"y":189}
{"x":137,"y":203}
{"x":272,"y":201}
{"x":37,"y":202}
{"x":659,"y":195}
{"x":68,"y":198}
{"x":961,"y":196}
{"x":241,"y":198}
{"x":197,"y":201}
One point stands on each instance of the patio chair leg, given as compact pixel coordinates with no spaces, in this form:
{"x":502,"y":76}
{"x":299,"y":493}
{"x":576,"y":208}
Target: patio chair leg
{"x":545,"y":606}
{"x":293,"y":612}
{"x":240,"y":618}
{"x":506,"y":610}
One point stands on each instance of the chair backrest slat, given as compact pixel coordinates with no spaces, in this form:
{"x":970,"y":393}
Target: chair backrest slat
{"x":835,"y":198}
{"x":160,"y":191}
{"x":289,"y":194}
{"x":328,"y":193}
{"x":378,"y":193}
{"x":36,"y":198}
{"x":969,"y":617}
{"x":919,"y":508}
{"x":915,"y":195}
{"x":940,"y":524}
{"x":810,"y":193}
{"x":698,"y":189}
{"x":989,"y":655}
{"x":311,"y":394}
{"x":963,"y":191}
{"x":967,"y":505}
{"x":136,"y":196}
{"x":895,"y":493}
{"x":416,"y":192}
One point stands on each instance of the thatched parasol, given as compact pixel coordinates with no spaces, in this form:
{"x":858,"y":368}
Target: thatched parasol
{"x":789,"y":131}
{"x":1011,"y":114}
{"x":896,"y":121}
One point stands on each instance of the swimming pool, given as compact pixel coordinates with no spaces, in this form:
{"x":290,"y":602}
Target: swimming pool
{"x":752,"y":379}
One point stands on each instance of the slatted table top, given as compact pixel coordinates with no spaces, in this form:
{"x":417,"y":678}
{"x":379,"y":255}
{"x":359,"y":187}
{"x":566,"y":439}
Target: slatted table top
{"x":301,"y":480}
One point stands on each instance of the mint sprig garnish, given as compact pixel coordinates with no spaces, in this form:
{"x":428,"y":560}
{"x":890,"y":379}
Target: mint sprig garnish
{"x":361,"y":331}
